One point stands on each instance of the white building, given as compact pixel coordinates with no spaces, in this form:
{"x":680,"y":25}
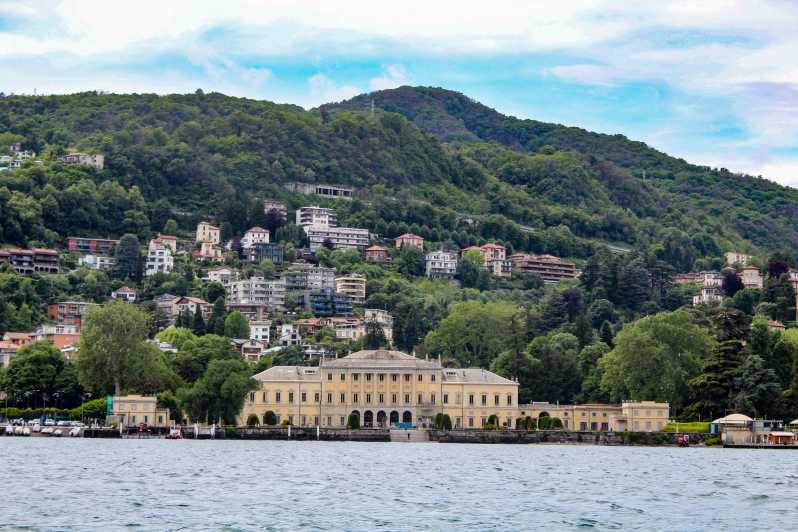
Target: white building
{"x":441,"y":264}
{"x":224,"y":276}
{"x":96,"y":262}
{"x":751,"y":277}
{"x":277,"y":206}
{"x":733,"y":257}
{"x":260,"y":330}
{"x":711,"y":284}
{"x":95,"y":160}
{"x":125,"y":294}
{"x":289,"y":335}
{"x":316,"y":216}
{"x":255,"y":235}
{"x":383,"y":319}
{"x":304,"y":276}
{"x":159,"y":259}
{"x":339,"y":237}
{"x":257,"y":291}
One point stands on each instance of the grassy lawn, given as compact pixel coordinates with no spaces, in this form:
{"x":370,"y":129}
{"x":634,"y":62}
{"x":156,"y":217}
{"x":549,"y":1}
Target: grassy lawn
{"x":692,"y":426}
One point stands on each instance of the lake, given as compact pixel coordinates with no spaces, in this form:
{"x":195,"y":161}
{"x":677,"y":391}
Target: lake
{"x":75,"y":484}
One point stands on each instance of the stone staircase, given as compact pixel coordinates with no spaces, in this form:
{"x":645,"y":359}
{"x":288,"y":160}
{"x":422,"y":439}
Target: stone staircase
{"x":406,"y":436}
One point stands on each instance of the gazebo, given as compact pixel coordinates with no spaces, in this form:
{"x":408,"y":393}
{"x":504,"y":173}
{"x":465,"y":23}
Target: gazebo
{"x":734,"y":429}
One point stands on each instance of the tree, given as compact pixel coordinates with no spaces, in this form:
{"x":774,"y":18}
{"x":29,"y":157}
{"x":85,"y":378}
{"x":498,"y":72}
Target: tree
{"x":170,"y":227}
{"x":213,"y":291}
{"x":731,"y":283}
{"x":236,"y":325}
{"x":40,"y":373}
{"x":128,"y":258}
{"x":218,"y":396}
{"x":602,"y":310}
{"x":468,"y":333}
{"x":471,"y":271}
{"x":252,"y":420}
{"x":375,"y":336}
{"x":757,"y":387}
{"x":410,"y":261}
{"x":269,"y":418}
{"x":556,"y":375}
{"x":175,"y":336}
{"x":779,"y":291}
{"x":655,"y":357}
{"x":446,"y":422}
{"x":216,"y":320}
{"x":167,"y":399}
{"x":606,"y":334}
{"x":195,"y":355}
{"x":634,"y":278}
{"x":112,"y":340}
{"x":198,"y":323}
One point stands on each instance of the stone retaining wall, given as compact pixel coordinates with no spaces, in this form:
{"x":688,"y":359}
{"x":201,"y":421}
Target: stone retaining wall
{"x":596,"y":438}
{"x":297,"y":433}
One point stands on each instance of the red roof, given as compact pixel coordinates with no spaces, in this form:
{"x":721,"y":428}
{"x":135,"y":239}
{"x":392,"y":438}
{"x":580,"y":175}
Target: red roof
{"x":409,"y":235}
{"x":376,"y":248}
{"x":210,"y":226}
{"x":256,"y":229}
{"x":493,"y":245}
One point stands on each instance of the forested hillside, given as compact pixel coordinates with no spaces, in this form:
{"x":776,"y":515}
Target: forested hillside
{"x":434,"y":163}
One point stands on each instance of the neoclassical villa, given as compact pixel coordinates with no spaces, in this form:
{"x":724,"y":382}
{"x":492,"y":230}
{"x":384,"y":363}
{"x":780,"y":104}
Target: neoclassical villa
{"x":382,"y":387}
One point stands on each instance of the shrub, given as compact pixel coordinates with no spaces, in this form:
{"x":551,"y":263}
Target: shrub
{"x":353,"y":422}
{"x":269,"y":418}
{"x":230,"y":433}
{"x":493,"y":420}
{"x":555,"y":423}
{"x":712,"y":440}
{"x":252,"y":420}
{"x":531,"y":423}
{"x":94,"y":409}
{"x":520,"y":423}
{"x":286,"y":423}
{"x":544,"y":423}
{"x":439,"y":420}
{"x":488,"y":426}
{"x":446,"y":422}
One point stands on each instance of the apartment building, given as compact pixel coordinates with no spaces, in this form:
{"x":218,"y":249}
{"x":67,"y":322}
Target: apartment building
{"x":315,"y":215}
{"x":258,"y":252}
{"x":254,"y":235}
{"x":96,"y":262}
{"x":96,"y":160}
{"x":354,"y":286}
{"x":751,"y":277}
{"x":383,"y":319}
{"x":206,"y":232}
{"x":30,"y":261}
{"x":733,"y":257}
{"x":224,"y":276}
{"x":68,"y":312}
{"x":98,"y":246}
{"x":550,"y":268}
{"x":441,"y":265}
{"x":337,"y":237}
{"x":377,"y":253}
{"x":304,"y":276}
{"x":258,"y":291}
{"x":326,"y":302}
{"x":260,"y":330}
{"x":411,"y":240}
{"x":159,"y":257}
{"x":323,"y":190}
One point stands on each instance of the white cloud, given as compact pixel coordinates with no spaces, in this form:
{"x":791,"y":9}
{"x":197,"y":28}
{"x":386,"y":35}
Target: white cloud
{"x":392,"y":76}
{"x":324,"y":89}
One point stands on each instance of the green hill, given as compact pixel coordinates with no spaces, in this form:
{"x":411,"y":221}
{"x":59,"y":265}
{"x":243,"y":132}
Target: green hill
{"x":426,"y":156}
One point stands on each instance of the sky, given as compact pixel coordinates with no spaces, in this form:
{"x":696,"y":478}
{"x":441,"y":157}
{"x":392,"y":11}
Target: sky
{"x":712,"y":81}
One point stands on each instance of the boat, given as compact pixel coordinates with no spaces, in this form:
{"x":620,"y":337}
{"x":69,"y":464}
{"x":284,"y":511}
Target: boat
{"x":26,"y":431}
{"x":174,"y":434}
{"x":9,"y":430}
{"x":58,"y":433}
{"x":74,"y":433}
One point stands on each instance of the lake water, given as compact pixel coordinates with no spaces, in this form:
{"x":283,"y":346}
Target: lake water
{"x":71,"y":484}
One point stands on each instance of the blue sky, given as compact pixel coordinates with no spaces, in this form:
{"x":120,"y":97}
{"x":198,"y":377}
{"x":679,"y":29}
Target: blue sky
{"x":714,"y":82}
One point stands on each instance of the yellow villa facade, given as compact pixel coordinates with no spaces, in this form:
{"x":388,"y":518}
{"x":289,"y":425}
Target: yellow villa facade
{"x":634,"y":416}
{"x":382,"y":387}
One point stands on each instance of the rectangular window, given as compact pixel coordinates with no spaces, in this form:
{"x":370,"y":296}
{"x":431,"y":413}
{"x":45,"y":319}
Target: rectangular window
{"x":329,"y":398}
{"x":263,"y":397}
{"x":291,"y":419}
{"x":329,"y":375}
{"x":304,"y":397}
{"x":457,"y":422}
{"x":605,"y":426}
{"x":407,"y":398}
{"x":393,"y":398}
{"x":407,"y":377}
{"x":355,"y":376}
{"x":343,"y":398}
{"x":368,"y":377}
{"x":251,"y":397}
{"x":343,"y":376}
{"x":277,"y":418}
{"x":382,"y":398}
{"x":368,"y":398}
{"x":354,"y":398}
{"x":290,"y":397}
{"x":446,"y":398}
{"x":484,"y":399}
{"x":420,"y":377}
{"x":316,"y":420}
{"x":583,"y":426}
{"x":382,"y":377}
{"x":394,"y":376}
{"x":471,"y":422}
{"x":471,"y":398}
{"x":277,"y":396}
{"x":342,"y":421}
{"x":432,"y":398}
{"x":328,"y":421}
{"x":302,"y":421}
{"x":509,"y":400}
{"x":593,"y":426}
{"x":420,"y":398}
{"x":496,"y":400}
{"x":432,"y":378}
{"x":316,"y":399}
{"x":483,"y":421}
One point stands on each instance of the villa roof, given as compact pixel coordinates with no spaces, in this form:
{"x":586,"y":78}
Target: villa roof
{"x":289,"y":373}
{"x":376,"y":247}
{"x":381,"y":358}
{"x":256,"y":229}
{"x":474,"y":376}
{"x":409,"y":235}
{"x":733,"y":419}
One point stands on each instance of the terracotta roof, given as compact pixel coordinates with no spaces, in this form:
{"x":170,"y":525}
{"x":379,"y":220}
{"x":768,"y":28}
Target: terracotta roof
{"x":409,"y":235}
{"x":196,"y":300}
{"x":376,"y":247}
{"x":18,"y":335}
{"x":125,"y":290}
{"x":257,"y":229}
{"x":493,"y":245}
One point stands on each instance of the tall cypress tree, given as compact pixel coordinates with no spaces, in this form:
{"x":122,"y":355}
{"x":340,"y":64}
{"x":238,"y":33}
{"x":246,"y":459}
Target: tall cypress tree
{"x":198,"y":324}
